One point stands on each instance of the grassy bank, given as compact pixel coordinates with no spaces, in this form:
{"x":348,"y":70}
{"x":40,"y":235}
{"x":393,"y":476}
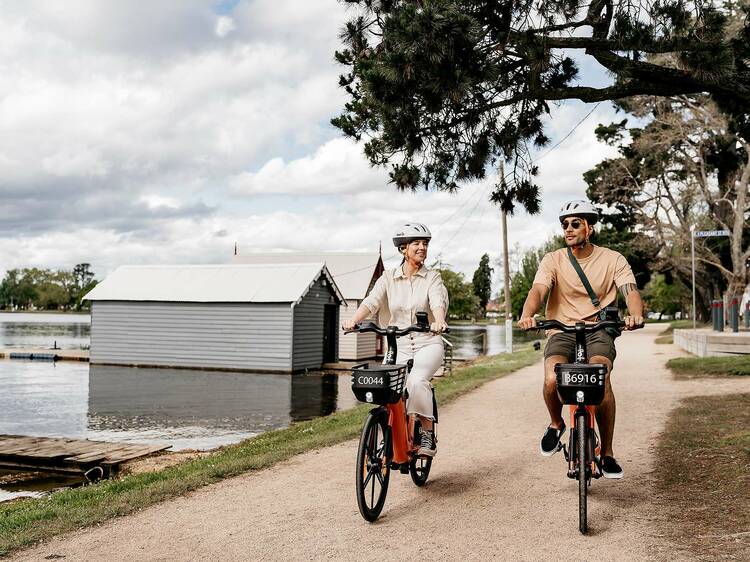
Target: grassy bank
{"x":691,"y":367}
{"x":24,"y":522}
{"x":667,"y":336}
{"x":704,"y":486}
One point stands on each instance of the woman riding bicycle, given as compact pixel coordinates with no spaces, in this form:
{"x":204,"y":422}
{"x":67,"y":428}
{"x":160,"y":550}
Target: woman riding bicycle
{"x":400,"y":293}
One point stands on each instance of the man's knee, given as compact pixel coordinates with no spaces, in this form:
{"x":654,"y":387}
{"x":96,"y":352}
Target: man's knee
{"x":550,"y":378}
{"x":603,"y":360}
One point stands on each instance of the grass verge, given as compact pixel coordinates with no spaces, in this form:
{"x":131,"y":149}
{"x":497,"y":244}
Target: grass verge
{"x":26,"y":521}
{"x":704,"y":490}
{"x":692,"y":367}
{"x":667,"y":336}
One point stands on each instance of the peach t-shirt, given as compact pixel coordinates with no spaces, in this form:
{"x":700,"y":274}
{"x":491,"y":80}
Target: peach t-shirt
{"x":568,"y":301}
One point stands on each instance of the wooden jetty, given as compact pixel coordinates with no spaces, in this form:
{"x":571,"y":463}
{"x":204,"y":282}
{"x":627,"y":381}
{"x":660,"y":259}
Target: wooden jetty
{"x":45,"y":354}
{"x":91,"y":459}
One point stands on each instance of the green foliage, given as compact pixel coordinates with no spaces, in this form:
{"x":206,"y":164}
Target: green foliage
{"x":45,"y":289}
{"x":463,"y":301}
{"x":443,"y":90}
{"x":711,"y":366}
{"x":482,"y":283}
{"x":666,"y":298}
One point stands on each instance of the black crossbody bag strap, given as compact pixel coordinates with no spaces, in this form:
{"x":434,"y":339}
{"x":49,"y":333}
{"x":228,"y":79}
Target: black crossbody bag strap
{"x":592,"y":295}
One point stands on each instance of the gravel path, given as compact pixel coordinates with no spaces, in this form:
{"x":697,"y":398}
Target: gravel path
{"x":490,"y":495}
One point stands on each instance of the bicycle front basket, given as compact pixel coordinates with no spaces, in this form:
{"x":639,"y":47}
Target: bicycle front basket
{"x":378,"y":384}
{"x":581,"y":384}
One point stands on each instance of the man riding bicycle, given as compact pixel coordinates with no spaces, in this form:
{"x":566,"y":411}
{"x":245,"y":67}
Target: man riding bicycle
{"x":571,"y":301}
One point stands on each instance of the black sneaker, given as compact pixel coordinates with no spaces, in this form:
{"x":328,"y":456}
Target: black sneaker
{"x":610,"y":468}
{"x":551,"y":440}
{"x":427,"y":446}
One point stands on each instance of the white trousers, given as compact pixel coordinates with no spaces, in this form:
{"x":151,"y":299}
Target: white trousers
{"x":428,"y":358}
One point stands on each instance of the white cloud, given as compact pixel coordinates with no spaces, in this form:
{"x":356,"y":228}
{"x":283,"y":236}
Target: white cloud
{"x":224,"y":26}
{"x":164,"y":132}
{"x":336,"y":167}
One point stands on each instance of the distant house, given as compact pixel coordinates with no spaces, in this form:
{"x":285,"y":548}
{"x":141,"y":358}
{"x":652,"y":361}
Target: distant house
{"x":274,"y":318}
{"x":355,"y":274}
{"x":494,"y":308}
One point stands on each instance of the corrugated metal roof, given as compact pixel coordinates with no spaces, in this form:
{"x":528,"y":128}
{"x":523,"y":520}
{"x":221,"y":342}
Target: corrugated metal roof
{"x":352,"y":271}
{"x":287,"y":282}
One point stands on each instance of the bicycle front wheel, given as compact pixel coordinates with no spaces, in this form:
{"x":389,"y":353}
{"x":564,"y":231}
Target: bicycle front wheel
{"x":373,"y":470}
{"x":581,"y":429}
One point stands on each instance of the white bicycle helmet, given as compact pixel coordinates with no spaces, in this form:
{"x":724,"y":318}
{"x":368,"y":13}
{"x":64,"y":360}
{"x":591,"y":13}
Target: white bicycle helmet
{"x":580,"y":208}
{"x":411,"y":231}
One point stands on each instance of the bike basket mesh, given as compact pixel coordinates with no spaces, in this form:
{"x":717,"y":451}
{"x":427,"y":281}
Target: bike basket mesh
{"x":581,"y":384}
{"x":378,"y":384}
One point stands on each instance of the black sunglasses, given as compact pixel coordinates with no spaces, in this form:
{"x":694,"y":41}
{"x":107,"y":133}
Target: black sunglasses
{"x":575,"y":223}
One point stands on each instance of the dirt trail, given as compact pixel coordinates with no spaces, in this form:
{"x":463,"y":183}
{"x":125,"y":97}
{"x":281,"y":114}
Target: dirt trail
{"x":490,"y":496}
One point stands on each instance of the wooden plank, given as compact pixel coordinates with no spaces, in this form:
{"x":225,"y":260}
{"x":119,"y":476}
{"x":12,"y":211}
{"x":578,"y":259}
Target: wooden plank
{"x":70,"y":456}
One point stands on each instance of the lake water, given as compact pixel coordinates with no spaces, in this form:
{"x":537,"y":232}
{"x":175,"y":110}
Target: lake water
{"x":469,"y":340}
{"x":45,"y":330}
{"x":186,"y":409}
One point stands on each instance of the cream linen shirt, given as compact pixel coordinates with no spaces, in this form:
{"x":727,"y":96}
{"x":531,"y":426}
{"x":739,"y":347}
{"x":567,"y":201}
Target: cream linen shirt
{"x":397,"y":298}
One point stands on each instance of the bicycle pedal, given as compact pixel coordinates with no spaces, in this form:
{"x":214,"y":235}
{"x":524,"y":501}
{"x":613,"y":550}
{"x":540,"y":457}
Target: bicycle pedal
{"x":403,"y":469}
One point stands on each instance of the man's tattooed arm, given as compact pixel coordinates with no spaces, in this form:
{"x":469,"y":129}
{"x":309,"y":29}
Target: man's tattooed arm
{"x":628,"y":288}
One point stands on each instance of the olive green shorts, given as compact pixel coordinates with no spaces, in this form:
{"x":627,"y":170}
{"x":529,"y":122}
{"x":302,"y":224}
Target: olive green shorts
{"x":598,"y":343}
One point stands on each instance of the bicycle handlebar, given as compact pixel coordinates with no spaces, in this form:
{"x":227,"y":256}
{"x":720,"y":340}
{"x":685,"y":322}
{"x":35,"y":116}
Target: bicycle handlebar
{"x":588,"y":328}
{"x":398,"y":332}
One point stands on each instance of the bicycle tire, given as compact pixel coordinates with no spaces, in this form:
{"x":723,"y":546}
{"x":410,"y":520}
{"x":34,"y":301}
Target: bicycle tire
{"x":581,"y":429}
{"x":373,"y":468}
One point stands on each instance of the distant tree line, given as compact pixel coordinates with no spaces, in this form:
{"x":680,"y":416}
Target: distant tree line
{"x":468,"y":299}
{"x":46,"y":289}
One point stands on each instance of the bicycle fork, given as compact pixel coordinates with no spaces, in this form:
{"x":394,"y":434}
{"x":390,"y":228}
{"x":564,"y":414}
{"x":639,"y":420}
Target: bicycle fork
{"x":592,"y":447}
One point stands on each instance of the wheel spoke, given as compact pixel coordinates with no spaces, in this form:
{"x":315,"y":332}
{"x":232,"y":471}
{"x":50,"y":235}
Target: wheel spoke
{"x":369,"y":476}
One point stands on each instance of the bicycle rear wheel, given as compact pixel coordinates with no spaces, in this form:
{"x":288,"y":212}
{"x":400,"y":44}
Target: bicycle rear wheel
{"x":373,"y":470}
{"x":581,"y":429}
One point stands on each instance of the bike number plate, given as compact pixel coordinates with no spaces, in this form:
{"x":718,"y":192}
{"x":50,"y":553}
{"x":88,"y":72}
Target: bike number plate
{"x":369,"y":380}
{"x":572,"y":378}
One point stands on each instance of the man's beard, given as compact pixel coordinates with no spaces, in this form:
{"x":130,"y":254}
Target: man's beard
{"x":576,"y":243}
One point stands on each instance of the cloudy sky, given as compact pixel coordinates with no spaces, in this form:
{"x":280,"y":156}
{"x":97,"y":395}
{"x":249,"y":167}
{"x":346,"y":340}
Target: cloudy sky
{"x":164,"y":132}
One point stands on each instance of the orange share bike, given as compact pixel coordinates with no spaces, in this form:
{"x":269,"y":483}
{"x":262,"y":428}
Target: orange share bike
{"x":581,"y":385}
{"x":390,"y":438}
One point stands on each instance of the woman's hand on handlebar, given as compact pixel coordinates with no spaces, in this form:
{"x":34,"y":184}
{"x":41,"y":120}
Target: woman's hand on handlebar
{"x":438,"y":327}
{"x":527,"y":323}
{"x":633,"y":322}
{"x":347,"y":325}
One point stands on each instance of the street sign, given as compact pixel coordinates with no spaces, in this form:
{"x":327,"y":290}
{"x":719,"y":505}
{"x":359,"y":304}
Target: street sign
{"x":701,"y":234}
{"x":709,"y":233}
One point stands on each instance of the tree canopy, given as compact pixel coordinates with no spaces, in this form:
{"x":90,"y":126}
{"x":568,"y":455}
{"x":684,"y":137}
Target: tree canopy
{"x":462,"y":302}
{"x":482,"y":283}
{"x":46,"y":289}
{"x":442,"y":89}
{"x":687,"y":165}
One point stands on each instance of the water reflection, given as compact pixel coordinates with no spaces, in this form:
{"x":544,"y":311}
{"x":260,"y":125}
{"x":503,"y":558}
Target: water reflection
{"x":472,"y":340}
{"x":45,"y":330}
{"x":187,"y":409}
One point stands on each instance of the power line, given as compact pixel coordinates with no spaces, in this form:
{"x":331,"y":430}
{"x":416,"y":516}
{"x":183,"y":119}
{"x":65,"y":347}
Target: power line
{"x":556,"y":145}
{"x":562,"y":140}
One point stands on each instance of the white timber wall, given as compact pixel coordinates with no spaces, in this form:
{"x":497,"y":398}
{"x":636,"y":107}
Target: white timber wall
{"x":241,"y":336}
{"x":353,"y":347}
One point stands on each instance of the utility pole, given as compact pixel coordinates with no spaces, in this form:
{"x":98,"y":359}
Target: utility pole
{"x":506,"y":271}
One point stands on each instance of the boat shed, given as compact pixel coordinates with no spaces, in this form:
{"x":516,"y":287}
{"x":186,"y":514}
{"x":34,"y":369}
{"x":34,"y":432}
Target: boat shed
{"x":355,"y":274}
{"x":264,"y":317}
